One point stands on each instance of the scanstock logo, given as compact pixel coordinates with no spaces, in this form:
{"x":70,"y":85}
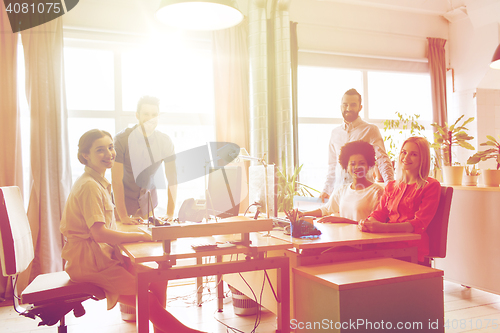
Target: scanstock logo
{"x":26,"y":14}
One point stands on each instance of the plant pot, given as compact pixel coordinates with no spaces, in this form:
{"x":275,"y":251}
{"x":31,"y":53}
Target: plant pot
{"x":491,"y":178}
{"x":469,"y":180}
{"x":452,"y":175}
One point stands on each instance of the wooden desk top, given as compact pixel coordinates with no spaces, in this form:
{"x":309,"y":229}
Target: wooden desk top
{"x":181,"y":248}
{"x":339,"y":234}
{"x":364,"y":273}
{"x":227,"y":226}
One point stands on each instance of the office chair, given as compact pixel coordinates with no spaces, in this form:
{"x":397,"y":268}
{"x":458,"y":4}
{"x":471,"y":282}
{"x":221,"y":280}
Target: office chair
{"x":49,"y":296}
{"x":438,"y":227}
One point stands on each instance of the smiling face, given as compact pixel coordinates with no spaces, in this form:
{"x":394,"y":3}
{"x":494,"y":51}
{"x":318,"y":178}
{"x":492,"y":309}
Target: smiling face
{"x":410,"y":158}
{"x":101,"y":155}
{"x":350,"y":107}
{"x":148,"y":117}
{"x":358,"y":166}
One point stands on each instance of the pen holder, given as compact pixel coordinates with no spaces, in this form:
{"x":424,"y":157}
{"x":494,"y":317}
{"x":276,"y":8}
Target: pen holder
{"x":302,"y":228}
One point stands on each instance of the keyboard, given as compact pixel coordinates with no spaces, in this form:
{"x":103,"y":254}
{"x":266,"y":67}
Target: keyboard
{"x":281,"y":221}
{"x":204,"y":247}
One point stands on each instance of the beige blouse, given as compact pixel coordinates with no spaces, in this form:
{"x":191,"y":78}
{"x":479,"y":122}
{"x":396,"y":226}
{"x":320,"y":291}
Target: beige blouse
{"x":90,"y":201}
{"x":353,"y":204}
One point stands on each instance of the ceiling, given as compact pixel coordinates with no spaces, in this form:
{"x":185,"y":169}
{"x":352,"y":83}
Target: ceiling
{"x":121,"y":13}
{"x":436,"y":7}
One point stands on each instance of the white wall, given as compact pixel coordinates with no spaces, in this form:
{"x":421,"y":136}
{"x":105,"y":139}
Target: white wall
{"x":341,"y":28}
{"x":473,"y":40}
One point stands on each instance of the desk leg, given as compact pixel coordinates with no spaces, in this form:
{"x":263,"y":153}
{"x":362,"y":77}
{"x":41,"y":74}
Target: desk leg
{"x":220,"y":289}
{"x":142,"y":304}
{"x":199,"y":284}
{"x":284,"y":298}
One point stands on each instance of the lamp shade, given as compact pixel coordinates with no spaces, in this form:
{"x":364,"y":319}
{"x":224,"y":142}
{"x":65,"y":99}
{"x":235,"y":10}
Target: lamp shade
{"x":495,"y":61}
{"x":199,"y":14}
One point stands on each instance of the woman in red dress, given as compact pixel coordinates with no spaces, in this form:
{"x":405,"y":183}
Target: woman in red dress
{"x":410,"y":202}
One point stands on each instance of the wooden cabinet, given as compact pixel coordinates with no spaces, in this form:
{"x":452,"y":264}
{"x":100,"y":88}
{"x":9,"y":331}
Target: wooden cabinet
{"x":473,"y":239}
{"x":373,"y":295}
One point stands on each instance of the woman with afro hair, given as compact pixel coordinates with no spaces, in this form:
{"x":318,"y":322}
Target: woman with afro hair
{"x":352,"y":202}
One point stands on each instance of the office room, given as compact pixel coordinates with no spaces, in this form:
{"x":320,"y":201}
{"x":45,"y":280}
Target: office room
{"x":273,"y":85}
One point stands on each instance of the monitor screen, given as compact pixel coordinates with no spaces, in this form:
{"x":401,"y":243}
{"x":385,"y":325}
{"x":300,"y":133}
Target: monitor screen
{"x":224,"y":191}
{"x":256,"y":188}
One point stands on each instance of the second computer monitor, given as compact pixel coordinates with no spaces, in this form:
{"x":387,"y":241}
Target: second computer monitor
{"x":223,"y":195}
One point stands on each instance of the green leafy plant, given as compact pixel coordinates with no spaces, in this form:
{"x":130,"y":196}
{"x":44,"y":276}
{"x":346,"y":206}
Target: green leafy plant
{"x":289,"y":186}
{"x":471,"y":171}
{"x":403,"y":123}
{"x":447,"y":136}
{"x":487,"y":154}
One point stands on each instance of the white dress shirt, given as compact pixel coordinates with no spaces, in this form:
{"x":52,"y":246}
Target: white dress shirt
{"x":358,"y":130}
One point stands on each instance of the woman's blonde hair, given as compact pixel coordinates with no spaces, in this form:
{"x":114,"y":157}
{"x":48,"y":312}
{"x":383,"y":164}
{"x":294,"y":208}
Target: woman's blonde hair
{"x":425,"y":160}
{"x":86,"y":141}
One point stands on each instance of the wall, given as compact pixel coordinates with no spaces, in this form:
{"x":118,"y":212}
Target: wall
{"x":345,"y":29}
{"x":473,"y":40}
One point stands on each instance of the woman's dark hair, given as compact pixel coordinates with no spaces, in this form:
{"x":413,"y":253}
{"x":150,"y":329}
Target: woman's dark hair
{"x":356,"y":147}
{"x":86,"y":141}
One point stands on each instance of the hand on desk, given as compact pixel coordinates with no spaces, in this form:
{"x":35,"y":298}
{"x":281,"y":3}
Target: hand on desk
{"x":370,"y":225}
{"x":166,"y":218}
{"x":131,"y":220}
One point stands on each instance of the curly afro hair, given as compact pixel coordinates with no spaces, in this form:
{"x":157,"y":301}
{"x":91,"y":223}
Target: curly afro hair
{"x":356,"y":147}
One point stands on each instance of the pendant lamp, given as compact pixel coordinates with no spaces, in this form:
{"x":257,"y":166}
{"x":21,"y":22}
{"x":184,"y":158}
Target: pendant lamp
{"x":495,"y":61}
{"x":199,"y":14}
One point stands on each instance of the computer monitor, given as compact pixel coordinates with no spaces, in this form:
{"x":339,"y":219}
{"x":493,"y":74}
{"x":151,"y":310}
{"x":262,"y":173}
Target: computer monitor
{"x":223,"y":195}
{"x":256,"y":188}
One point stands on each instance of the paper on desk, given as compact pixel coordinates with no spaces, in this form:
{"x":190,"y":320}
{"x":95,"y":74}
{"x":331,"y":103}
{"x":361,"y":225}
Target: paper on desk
{"x":306,"y":203}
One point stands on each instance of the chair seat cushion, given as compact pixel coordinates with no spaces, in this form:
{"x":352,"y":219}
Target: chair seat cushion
{"x":47,"y":288}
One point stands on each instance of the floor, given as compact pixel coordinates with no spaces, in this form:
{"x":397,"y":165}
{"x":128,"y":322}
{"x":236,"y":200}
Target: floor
{"x":466,"y":310}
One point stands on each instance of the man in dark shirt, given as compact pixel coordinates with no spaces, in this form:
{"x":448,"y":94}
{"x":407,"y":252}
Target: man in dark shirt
{"x":140,"y":151}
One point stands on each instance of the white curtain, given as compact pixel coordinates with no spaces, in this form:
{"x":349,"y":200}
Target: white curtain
{"x":50,"y":160}
{"x":231,"y":82}
{"x":11,"y":171}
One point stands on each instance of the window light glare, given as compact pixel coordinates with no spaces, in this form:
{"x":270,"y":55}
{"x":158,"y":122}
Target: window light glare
{"x":199,"y":16}
{"x":495,"y":64}
{"x":495,"y":61}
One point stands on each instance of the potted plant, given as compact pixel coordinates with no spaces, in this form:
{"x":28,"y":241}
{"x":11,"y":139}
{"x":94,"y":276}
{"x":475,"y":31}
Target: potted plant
{"x":393,"y":140}
{"x":471,"y":175}
{"x":445,"y":138}
{"x":403,"y":123}
{"x":289,"y":186}
{"x":490,"y":177}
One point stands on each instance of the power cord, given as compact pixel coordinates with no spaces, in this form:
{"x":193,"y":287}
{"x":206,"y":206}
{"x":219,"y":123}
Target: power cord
{"x":254,"y":204}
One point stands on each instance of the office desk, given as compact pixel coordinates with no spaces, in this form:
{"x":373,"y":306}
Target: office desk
{"x":255,"y":260}
{"x":335,"y":235}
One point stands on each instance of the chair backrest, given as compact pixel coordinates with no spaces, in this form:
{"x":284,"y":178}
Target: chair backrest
{"x":16,"y":243}
{"x":438,"y":227}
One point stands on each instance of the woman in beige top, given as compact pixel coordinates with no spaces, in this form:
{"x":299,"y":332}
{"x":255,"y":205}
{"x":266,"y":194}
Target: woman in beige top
{"x":88,"y":223}
{"x":352,"y":202}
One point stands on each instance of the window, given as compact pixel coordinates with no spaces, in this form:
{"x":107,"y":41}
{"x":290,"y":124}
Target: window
{"x":105,"y":81}
{"x":384,"y":93}
{"x":25,"y":123}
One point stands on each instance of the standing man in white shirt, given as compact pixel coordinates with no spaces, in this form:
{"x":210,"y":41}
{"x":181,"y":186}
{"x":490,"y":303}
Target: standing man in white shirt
{"x":353,"y":129}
